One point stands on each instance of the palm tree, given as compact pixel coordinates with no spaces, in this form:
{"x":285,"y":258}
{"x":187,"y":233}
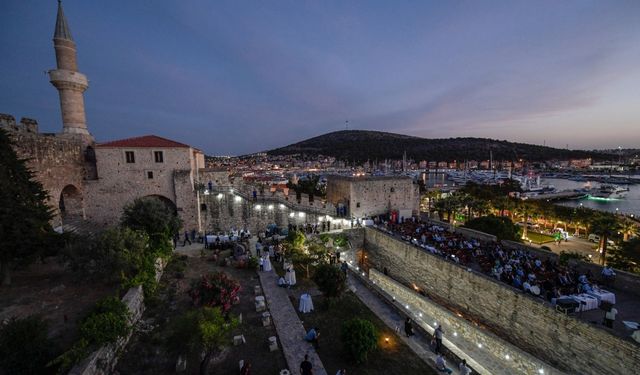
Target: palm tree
{"x":628,"y":228}
{"x":605,"y":226}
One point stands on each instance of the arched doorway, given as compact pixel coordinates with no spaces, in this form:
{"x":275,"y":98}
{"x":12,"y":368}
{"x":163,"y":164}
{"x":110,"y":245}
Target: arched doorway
{"x":71,"y":205}
{"x":166,"y":201}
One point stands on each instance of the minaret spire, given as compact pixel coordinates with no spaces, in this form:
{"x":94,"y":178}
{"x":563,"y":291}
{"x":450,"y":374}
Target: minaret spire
{"x":70,"y":83}
{"x":62,"y":28}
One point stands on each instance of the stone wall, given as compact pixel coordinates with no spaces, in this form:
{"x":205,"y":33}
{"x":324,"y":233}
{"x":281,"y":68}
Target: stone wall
{"x":57,"y":162}
{"x":534,"y":326}
{"x":370,"y":196}
{"x":224,"y":210}
{"x":498,"y":356}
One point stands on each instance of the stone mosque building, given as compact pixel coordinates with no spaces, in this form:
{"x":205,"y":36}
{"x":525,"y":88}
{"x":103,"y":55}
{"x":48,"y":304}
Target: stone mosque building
{"x":90,"y":182}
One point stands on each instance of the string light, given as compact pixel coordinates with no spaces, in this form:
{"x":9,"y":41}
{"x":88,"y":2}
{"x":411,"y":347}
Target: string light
{"x":455,"y":334}
{"x":507,"y":357}
{"x":480,"y":346}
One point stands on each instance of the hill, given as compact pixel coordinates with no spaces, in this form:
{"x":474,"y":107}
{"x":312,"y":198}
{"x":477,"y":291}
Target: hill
{"x":362,"y":145}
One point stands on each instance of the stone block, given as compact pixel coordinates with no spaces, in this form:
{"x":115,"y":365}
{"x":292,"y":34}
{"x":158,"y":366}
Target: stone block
{"x":257,"y":290}
{"x":260,"y":306}
{"x":266,"y":319}
{"x":238,"y":340}
{"x":273,"y":344}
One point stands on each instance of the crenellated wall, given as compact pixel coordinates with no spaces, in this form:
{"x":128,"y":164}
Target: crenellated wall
{"x":563,"y":341}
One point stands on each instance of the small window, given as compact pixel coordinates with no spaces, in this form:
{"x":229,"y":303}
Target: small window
{"x":158,"y":156}
{"x":203,"y":207}
{"x":358,"y":204}
{"x":130,"y":156}
{"x":393,"y":190}
{"x":149,"y":174}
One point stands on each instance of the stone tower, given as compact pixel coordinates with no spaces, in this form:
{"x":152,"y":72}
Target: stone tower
{"x":70,"y":83}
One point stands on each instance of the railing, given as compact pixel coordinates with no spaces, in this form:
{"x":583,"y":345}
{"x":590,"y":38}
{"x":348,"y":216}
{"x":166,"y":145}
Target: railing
{"x":247,"y":194}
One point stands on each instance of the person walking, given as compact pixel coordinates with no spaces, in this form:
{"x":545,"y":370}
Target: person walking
{"x":186,"y":239}
{"x":306,"y":368}
{"x":438,"y":335}
{"x":464,"y":369}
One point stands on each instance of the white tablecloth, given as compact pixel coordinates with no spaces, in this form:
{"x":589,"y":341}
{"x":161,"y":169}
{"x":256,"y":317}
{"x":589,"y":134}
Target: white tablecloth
{"x":267,"y":264}
{"x":306,"y":304}
{"x":290,"y":277}
{"x":223,"y":239}
{"x":603,"y":295}
{"x":587,"y":302}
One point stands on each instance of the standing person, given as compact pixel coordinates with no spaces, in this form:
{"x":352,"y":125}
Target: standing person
{"x":344,"y":267}
{"x":438,"y":334}
{"x":408,"y":327}
{"x":176,"y":238}
{"x":186,"y":239}
{"x":306,"y":368}
{"x":610,"y":317}
{"x":261,"y":264}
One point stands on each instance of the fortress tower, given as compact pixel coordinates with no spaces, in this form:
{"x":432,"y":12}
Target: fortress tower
{"x":70,"y":83}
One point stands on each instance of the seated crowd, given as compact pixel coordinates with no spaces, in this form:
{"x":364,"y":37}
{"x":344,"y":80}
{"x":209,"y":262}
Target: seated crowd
{"x":521,"y":269}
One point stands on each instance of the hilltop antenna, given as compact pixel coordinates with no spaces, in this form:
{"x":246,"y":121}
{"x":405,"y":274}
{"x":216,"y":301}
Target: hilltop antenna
{"x":346,"y":125}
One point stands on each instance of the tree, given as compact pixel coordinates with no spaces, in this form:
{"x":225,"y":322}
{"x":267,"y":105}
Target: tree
{"x":359,"y":337}
{"x":604,"y":225}
{"x":24,"y":214}
{"x":628,"y":228}
{"x":204,"y":330}
{"x":116,"y":252}
{"x":499,"y":226}
{"x":626,"y":257}
{"x":296,"y":239}
{"x":24,"y":346}
{"x":330,"y":280}
{"x":307,"y":256}
{"x":153,"y":217}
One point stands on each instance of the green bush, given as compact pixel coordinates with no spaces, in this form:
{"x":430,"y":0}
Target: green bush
{"x":24,"y":346}
{"x":341,"y":240}
{"x":108,"y":321}
{"x":359,"y":337}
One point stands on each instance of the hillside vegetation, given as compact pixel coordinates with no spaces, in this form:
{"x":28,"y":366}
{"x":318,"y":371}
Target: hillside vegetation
{"x":362,"y":145}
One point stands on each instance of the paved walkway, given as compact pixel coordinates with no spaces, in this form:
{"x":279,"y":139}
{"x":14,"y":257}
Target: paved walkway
{"x":419,"y":343}
{"x":290,"y":330}
{"x":289,"y":327}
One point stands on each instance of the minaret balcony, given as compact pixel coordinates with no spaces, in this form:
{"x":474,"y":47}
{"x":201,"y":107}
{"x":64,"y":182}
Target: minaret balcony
{"x":61,"y":78}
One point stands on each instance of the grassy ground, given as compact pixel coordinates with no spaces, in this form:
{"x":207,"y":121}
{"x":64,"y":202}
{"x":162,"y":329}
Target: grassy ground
{"x":539,"y":238}
{"x":146,"y":353}
{"x":393,"y":357}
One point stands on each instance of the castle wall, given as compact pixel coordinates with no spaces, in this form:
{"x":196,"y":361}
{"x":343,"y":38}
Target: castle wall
{"x":225,"y":210}
{"x":55,"y":161}
{"x":534,"y":326}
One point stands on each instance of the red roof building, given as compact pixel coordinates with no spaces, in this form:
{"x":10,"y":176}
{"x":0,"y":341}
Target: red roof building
{"x":152,"y":141}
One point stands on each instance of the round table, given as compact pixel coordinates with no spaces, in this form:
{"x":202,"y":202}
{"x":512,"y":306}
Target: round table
{"x":290,"y":276}
{"x":306,"y":304}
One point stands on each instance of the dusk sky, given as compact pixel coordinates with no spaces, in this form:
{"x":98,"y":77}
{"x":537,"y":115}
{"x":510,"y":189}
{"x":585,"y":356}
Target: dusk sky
{"x":244,"y":76}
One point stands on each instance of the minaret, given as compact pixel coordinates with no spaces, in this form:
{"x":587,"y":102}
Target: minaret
{"x":70,"y":83}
